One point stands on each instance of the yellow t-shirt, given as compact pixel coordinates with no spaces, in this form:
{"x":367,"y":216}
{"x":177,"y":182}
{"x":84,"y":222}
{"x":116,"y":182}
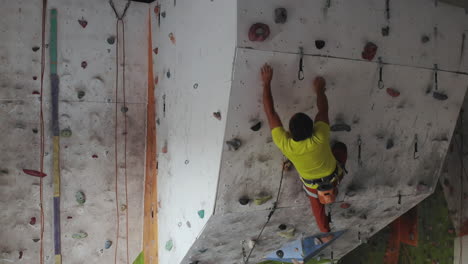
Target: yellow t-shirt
{"x":312,"y":157}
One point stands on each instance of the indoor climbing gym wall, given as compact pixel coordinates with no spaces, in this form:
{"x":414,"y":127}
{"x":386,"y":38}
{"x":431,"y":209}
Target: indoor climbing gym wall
{"x":396,"y":76}
{"x":73,"y":111}
{"x":193,"y":50}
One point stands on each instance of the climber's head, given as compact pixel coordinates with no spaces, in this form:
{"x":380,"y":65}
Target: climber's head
{"x":301,"y":126}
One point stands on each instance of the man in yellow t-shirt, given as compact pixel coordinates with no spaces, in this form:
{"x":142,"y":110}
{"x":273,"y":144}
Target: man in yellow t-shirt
{"x":307,"y":146}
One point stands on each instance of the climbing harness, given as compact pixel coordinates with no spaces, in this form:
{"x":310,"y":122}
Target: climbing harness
{"x":380,"y":83}
{"x":120,"y":19}
{"x":300,"y":73}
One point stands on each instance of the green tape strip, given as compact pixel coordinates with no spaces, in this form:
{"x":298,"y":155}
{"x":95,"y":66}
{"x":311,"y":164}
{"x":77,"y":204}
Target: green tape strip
{"x":53,"y":41}
{"x":140,"y":259}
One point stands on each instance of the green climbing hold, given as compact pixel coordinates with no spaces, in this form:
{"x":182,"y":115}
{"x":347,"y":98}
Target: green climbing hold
{"x":288,"y":233}
{"x":140,"y":259}
{"x":66,"y":132}
{"x":80,"y":197}
{"x":81,"y":94}
{"x":80,"y":235}
{"x":262,"y":200}
{"x":169,"y":245}
{"x":201,"y":214}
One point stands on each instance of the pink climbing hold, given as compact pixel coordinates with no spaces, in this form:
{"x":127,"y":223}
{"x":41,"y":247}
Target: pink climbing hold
{"x":156,"y":50}
{"x":69,"y":217}
{"x":392,"y":92}
{"x":84,"y":64}
{"x":259,"y":32}
{"x":157,"y":9}
{"x":35,"y":92}
{"x":369,"y":51}
{"x":95,"y":156}
{"x":32,"y":221}
{"x":34,"y":173}
{"x":345,"y":205}
{"x":83,"y":22}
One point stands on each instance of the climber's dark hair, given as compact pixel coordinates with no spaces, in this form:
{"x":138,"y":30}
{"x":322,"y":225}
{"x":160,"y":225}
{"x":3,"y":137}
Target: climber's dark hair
{"x":301,"y":127}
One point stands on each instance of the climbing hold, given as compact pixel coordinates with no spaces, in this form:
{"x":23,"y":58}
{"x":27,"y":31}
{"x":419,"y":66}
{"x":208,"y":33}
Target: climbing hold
{"x":169,"y":245}
{"x":123,"y":207}
{"x":80,"y":235}
{"x":69,"y":217}
{"x":385,"y":31}
{"x":259,"y":32}
{"x":195,"y":86}
{"x":80,"y":197}
{"x":94,"y":156}
{"x":439,"y":96}
{"x":163,"y":14}
{"x":35,"y":240}
{"x":340,"y":127}
{"x":393,"y":92}
{"x":257,"y":126}
{"x":4,"y":171}
{"x":203,"y":250}
{"x":290,"y":233}
{"x":66,"y":133}
{"x":156,"y":80}
{"x":244,"y":200}
{"x":168,"y":74}
{"x":287,"y":165}
{"x":80,"y":94}
{"x":83,"y":22}
{"x":389,"y":143}
{"x":124,"y":109}
{"x":35,"y":92}
{"x":187,"y":162}
{"x":282,"y":227}
{"x":32,"y":221}
{"x":108,"y":244}
{"x":172,"y":38}
{"x":263,"y":199}
{"x":111,"y":40}
{"x":34,"y":173}
{"x":35,"y":48}
{"x":189,"y":225}
{"x":280,"y":253}
{"x":369,"y":51}
{"x":164,"y":148}
{"x":281,"y":15}
{"x":20,"y":254}
{"x":157,"y":9}
{"x":345,"y":205}
{"x":319,"y":44}
{"x":201,"y":214}
{"x":34,"y":130}
{"x":34,"y":77}
{"x":425,"y":39}
{"x":84,"y":64}
{"x":234,"y":144}
{"x":217,"y":115}
{"x":156,"y":50}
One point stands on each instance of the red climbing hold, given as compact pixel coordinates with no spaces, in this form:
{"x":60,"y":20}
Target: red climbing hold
{"x":83,"y":22}
{"x":32,"y":221}
{"x":34,"y":173}
{"x":259,"y":32}
{"x":369,"y":51}
{"x":155,"y":50}
{"x":345,"y":205}
{"x":392,"y":92}
{"x":35,"y":92}
{"x":84,"y":64}
{"x":95,"y":156}
{"x":157,"y":9}
{"x":69,"y":217}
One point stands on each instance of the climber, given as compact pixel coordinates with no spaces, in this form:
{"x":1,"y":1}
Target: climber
{"x":307,"y":146}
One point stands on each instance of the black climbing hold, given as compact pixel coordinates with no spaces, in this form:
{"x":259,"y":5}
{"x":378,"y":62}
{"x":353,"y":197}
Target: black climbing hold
{"x":439,"y":96}
{"x":234,"y":144}
{"x":390,"y":143}
{"x":280,"y":253}
{"x":34,"y":130}
{"x":385,"y":31}
{"x":195,"y":262}
{"x":124,"y":109}
{"x":111,"y":40}
{"x":244,"y":200}
{"x":195,"y":86}
{"x":319,"y":44}
{"x":35,"y":48}
{"x":281,"y":15}
{"x":203,"y":250}
{"x":257,"y":126}
{"x":81,"y":94}
{"x":168,"y":74}
{"x":163,"y":14}
{"x":340,"y":127}
{"x":282,"y":227}
{"x":425,"y":39}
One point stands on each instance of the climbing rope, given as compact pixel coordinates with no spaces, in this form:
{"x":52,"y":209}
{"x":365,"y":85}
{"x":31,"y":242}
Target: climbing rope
{"x":42,"y":138}
{"x":120,"y":19}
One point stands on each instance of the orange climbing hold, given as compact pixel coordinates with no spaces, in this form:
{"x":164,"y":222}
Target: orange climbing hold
{"x":172,"y":38}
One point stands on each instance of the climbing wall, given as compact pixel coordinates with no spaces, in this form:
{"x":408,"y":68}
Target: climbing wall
{"x":397,"y":132}
{"x":87,"y":110}
{"x":194,"y":45}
